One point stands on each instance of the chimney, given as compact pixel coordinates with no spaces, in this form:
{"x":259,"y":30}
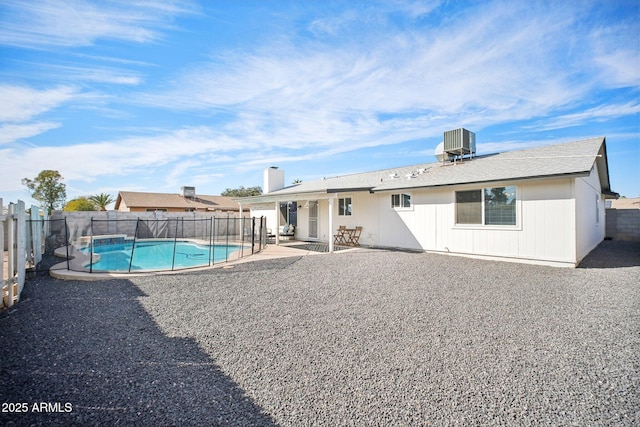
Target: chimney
{"x":273,"y":180}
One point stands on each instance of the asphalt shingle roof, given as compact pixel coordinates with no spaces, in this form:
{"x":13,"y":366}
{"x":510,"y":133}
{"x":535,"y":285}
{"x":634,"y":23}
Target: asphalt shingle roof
{"x":572,"y":158}
{"x":135,"y":199}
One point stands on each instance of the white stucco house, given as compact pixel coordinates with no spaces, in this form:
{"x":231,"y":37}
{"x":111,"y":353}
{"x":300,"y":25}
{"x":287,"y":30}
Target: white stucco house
{"x":540,"y":205}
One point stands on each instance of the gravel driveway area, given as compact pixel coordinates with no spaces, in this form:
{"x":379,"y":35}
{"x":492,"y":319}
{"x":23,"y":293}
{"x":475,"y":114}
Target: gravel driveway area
{"x":363,"y":338}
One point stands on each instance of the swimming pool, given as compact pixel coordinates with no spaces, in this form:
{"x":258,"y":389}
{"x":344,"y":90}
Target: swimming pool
{"x":155,"y":255}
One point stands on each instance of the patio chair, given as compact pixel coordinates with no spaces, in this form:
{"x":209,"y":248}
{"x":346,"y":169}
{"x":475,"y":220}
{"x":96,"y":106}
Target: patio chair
{"x":339,"y":237}
{"x":287,"y":231}
{"x":355,"y":237}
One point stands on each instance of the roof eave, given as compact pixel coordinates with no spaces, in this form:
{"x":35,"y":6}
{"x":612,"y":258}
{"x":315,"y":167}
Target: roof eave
{"x":349,"y":189}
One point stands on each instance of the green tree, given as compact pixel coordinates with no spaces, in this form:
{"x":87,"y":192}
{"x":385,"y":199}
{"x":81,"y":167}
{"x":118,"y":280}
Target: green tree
{"x":242,"y":192}
{"x":80,"y":204}
{"x":47,"y":188}
{"x":102,"y":200}
{"x":297,"y":181}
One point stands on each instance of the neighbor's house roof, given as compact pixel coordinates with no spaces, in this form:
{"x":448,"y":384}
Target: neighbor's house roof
{"x":631,"y":203}
{"x":140,"y":200}
{"x":560,"y":160}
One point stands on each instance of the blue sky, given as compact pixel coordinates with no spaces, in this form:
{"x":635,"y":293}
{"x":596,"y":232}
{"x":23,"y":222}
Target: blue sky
{"x":154,"y":95}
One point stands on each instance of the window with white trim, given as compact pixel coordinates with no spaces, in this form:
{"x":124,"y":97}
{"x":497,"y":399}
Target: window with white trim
{"x":488,"y":206}
{"x":344,"y":206}
{"x":401,"y":200}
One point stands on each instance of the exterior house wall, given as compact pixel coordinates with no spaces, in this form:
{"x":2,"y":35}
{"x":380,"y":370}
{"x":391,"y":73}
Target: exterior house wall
{"x":267,"y":210}
{"x":546,"y":220}
{"x":590,"y":214}
{"x":302,"y":229}
{"x":556,"y":221}
{"x":543,"y":230}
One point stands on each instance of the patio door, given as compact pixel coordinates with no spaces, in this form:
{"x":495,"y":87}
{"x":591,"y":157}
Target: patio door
{"x":313,"y":219}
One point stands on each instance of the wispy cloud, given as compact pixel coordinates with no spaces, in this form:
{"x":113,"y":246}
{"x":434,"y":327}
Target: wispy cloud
{"x":496,"y":67}
{"x":94,"y":73}
{"x":21,"y":103}
{"x":318,"y":82}
{"x":617,"y":55}
{"x":15,"y":132}
{"x":36,"y":24}
{"x":597,"y":114}
{"x":85,"y":162}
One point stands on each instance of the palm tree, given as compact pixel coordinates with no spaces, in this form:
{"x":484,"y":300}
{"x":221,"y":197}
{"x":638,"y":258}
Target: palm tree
{"x":102,"y":200}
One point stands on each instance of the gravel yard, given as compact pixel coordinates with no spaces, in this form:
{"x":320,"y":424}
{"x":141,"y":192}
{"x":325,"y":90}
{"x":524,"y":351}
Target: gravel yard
{"x":366,"y":337}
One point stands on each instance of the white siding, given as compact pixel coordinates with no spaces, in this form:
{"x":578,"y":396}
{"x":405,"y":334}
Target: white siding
{"x":548,"y":221}
{"x":556,"y":221}
{"x":590,"y":219}
{"x":545,"y":228}
{"x":267,"y":210}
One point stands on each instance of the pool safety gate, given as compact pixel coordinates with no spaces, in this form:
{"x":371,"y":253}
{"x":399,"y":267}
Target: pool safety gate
{"x":83,"y":238}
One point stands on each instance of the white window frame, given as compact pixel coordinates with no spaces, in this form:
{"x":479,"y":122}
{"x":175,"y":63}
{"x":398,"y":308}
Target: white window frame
{"x":347,"y":208}
{"x":401,"y":199}
{"x":482,"y":224}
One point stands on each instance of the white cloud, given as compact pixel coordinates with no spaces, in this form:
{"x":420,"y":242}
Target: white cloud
{"x":95,"y":73}
{"x":22,"y":103}
{"x":597,"y":114}
{"x":616,"y":53}
{"x":85,"y":162}
{"x":499,"y":66}
{"x":343,"y":82}
{"x":621,"y":68}
{"x":12,"y":132}
{"x":35,"y":24}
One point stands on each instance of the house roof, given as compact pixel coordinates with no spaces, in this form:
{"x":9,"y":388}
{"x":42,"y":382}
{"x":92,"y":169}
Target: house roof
{"x":567,"y":159}
{"x":134,"y":199}
{"x":624,"y":203}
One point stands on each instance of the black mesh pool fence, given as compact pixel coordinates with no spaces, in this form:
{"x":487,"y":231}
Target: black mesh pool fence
{"x":149,"y":244}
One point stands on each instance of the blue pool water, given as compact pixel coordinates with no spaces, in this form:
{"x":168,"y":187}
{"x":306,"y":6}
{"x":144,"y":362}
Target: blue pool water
{"x":158,"y":255}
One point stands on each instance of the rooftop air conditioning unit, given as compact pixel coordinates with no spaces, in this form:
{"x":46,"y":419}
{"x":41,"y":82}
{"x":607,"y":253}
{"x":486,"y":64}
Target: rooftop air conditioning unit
{"x":459,"y":142}
{"x":188,"y":192}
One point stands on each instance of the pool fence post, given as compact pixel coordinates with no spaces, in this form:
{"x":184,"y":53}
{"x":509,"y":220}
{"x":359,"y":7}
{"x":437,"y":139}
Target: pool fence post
{"x":91,"y":247}
{"x":133,"y":245}
{"x":211,"y":240}
{"x":175,"y":242}
{"x":253,"y":234}
{"x":241,"y":219}
{"x":226,"y":253}
{"x":66,"y":242}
